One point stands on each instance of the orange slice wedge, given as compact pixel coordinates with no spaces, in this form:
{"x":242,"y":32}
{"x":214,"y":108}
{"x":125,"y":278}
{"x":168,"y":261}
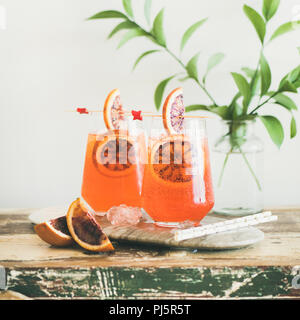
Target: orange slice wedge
{"x":113,"y":111}
{"x":85,"y":230}
{"x":173,"y":112}
{"x":55,"y":232}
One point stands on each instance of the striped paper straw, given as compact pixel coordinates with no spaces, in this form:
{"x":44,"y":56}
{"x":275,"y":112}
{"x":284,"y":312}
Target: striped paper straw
{"x":227,"y":225}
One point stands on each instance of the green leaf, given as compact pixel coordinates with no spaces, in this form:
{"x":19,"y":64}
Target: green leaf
{"x":256,"y":86}
{"x":184,"y":79}
{"x":291,"y":80}
{"x":159,"y":91}
{"x":235,"y":99}
{"x":255,"y":83}
{"x":287,"y":86}
{"x":143,"y":55}
{"x":195,"y":107}
{"x":213,"y":61}
{"x":128,"y":7}
{"x":266,"y":76}
{"x":257,"y":21}
{"x":158,"y":28}
{"x":121,"y":26}
{"x":192,"y":68}
{"x":293,"y":129}
{"x":248,"y":72}
{"x":297,"y":84}
{"x":147,"y":11}
{"x":190,"y":31}
{"x":110,"y":14}
{"x":237,"y":111}
{"x":270,"y":8}
{"x":294,"y":75}
{"x":284,"y":101}
{"x":130,"y":35}
{"x":243,"y":87}
{"x":222,"y":111}
{"x":274,"y":129}
{"x":285,"y":28}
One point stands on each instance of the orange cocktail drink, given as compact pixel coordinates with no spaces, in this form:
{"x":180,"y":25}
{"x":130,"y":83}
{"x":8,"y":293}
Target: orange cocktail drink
{"x":177,"y":184}
{"x":112,"y":172}
{"x":113,"y":167}
{"x":174,"y":191}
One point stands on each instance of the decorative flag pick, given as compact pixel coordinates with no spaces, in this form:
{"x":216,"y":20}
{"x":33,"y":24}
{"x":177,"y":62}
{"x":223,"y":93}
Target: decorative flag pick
{"x":137,"y":115}
{"x":82,"y":110}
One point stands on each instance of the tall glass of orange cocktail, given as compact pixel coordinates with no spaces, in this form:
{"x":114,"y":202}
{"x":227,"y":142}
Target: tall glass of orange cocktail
{"x":177,"y":184}
{"x":113,"y":167}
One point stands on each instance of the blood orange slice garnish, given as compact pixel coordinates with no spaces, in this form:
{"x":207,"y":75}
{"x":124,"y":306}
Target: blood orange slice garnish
{"x":55,"y":232}
{"x":114,"y":155}
{"x":171,"y":159}
{"x":113,"y":111}
{"x":85,"y":230}
{"x":173,"y":112}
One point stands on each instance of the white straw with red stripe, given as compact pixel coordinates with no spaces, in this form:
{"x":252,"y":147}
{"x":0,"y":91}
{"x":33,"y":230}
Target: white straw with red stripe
{"x":227,"y":225}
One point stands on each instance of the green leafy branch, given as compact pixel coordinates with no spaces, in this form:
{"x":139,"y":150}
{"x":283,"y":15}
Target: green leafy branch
{"x":262,"y":75}
{"x":157,"y":36}
{"x":251,"y":83}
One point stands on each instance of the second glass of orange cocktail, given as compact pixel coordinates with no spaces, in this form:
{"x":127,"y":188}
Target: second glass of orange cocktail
{"x":114,"y":160}
{"x":177,"y":184}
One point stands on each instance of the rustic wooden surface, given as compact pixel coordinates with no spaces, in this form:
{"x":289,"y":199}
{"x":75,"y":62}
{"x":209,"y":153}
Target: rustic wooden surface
{"x":11,"y":295}
{"x":37,"y":270}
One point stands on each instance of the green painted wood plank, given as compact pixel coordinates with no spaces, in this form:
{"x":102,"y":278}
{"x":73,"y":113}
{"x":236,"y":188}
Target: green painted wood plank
{"x":136,"y":283}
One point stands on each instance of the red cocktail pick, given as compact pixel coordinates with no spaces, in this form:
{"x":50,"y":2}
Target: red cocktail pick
{"x":82,"y":110}
{"x":137,"y":115}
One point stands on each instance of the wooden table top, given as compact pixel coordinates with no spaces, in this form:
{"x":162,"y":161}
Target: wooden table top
{"x":38,"y":270}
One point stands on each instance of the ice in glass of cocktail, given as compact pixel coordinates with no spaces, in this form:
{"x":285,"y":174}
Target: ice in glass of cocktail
{"x":114,"y":162}
{"x":177,"y":184}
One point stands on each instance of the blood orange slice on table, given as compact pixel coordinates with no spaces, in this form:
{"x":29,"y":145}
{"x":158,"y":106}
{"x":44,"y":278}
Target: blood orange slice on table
{"x":85,"y":230}
{"x":171,"y":159}
{"x":113,"y":112}
{"x":115,"y":154}
{"x":173,"y":112}
{"x":55,"y":232}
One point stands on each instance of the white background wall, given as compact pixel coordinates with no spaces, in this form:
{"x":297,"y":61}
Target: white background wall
{"x":52,"y":60}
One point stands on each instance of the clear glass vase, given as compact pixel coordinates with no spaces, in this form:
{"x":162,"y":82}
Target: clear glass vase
{"x":238,"y":169}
